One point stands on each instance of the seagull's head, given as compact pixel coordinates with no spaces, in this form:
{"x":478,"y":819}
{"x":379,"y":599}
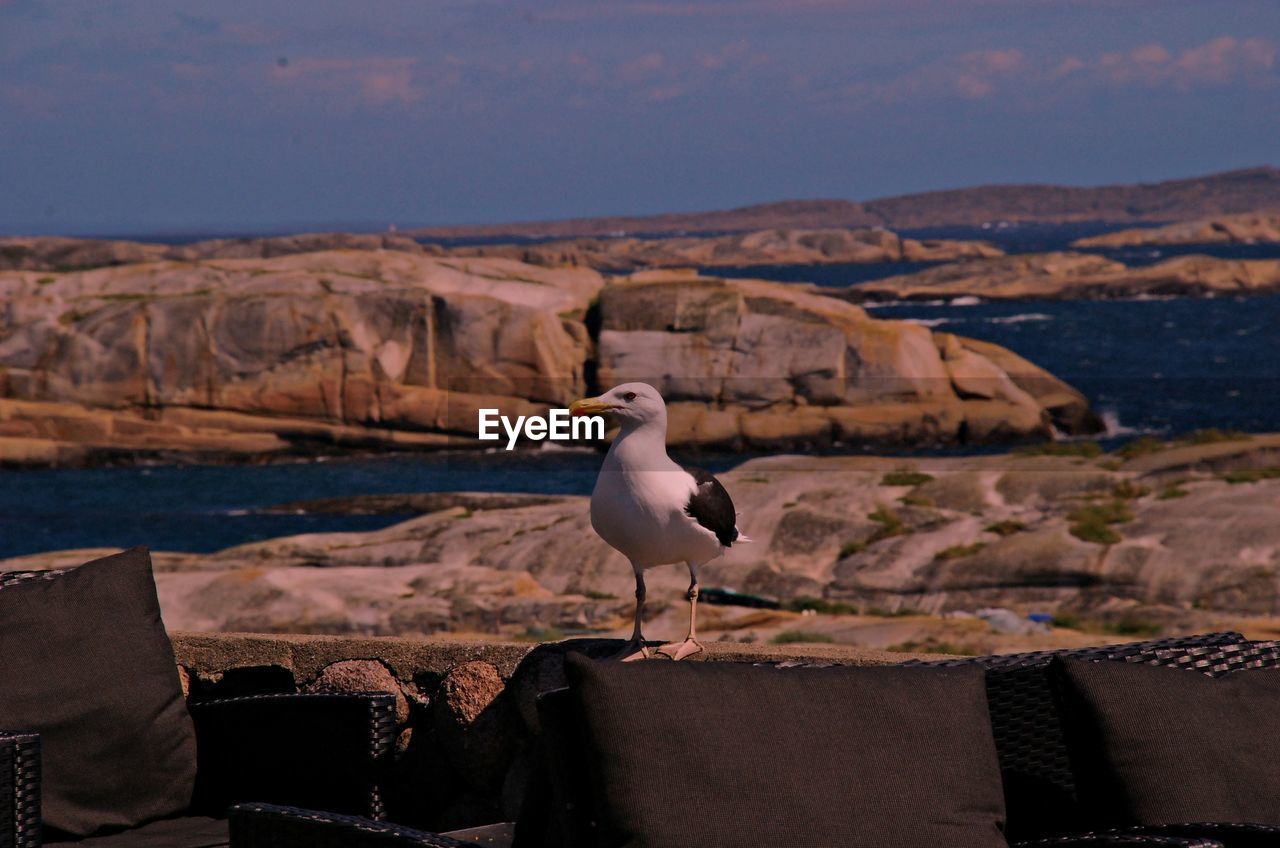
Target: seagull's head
{"x":633,"y":404}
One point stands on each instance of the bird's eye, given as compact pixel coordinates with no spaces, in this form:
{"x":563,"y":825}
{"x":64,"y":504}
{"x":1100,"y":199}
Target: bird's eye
{"x":629,"y":396}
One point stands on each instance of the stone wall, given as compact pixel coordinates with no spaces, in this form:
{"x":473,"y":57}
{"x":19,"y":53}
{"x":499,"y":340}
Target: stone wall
{"x":466,"y":709}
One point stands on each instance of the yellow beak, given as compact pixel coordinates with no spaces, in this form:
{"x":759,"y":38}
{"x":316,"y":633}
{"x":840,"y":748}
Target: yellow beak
{"x":588,"y":406}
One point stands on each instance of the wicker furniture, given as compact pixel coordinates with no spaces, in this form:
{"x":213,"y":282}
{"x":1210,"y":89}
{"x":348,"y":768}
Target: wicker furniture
{"x":1040,"y":793}
{"x":1029,"y":739}
{"x":327,"y":751}
{"x":268,"y":826}
{"x":1215,"y":661}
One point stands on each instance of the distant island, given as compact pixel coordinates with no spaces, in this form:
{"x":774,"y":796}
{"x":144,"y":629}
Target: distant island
{"x":1227,"y":193}
{"x":1228,"y":229}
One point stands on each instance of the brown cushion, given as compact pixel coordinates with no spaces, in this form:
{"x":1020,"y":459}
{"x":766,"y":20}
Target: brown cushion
{"x":721,"y":755}
{"x":86,"y":663}
{"x":1154,"y":745}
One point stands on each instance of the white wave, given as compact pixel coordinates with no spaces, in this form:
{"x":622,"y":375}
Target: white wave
{"x":1018,"y":319}
{"x":931,"y":322}
{"x":883,"y":303}
{"x":1115,"y":428}
{"x":967,"y":300}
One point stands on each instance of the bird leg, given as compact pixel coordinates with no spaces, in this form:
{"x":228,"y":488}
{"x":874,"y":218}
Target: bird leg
{"x":690,"y":645}
{"x":635,"y":649}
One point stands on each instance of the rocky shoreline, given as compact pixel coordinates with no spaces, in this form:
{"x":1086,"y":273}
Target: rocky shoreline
{"x":1254,"y":228}
{"x":764,"y":247}
{"x":1071,"y":276}
{"x":342,"y":350}
{"x":1156,"y":537}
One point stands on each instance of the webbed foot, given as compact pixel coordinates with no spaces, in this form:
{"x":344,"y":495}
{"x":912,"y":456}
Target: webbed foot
{"x":680,"y":650}
{"x":633,"y":650}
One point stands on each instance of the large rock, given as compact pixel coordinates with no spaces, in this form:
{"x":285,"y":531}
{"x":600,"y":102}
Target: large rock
{"x":1070,"y":276}
{"x":345,"y":347}
{"x":758,"y":364}
{"x":1253,"y":228}
{"x":361,"y":676}
{"x":764,"y":247}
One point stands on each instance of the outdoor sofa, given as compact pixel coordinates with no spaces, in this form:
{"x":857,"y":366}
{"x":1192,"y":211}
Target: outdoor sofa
{"x":126,"y":761}
{"x":1030,"y":724}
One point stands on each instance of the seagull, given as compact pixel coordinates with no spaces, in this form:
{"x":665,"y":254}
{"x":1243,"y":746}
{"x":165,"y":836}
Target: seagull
{"x":652,"y":510}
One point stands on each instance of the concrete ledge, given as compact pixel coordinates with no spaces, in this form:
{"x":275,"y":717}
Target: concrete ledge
{"x":466,"y":709}
{"x":307,"y":655}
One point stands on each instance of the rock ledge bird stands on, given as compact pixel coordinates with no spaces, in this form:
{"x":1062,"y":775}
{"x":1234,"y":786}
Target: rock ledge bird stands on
{"x":653,"y":511}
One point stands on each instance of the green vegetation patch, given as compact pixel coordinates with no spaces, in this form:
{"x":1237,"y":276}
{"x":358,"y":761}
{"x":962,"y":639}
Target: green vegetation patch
{"x":916,"y":500}
{"x":1250,"y":475}
{"x":1128,"y":490}
{"x":1128,"y":624}
{"x":1147,"y":445}
{"x":1066,"y":620}
{"x":848,"y":549}
{"x":905,"y":477}
{"x":1092,"y":522}
{"x":1172,"y":492}
{"x":1142,"y":446}
{"x":44,"y":281}
{"x":891,"y":524}
{"x":959,"y":551}
{"x":792,"y":637}
{"x":1131,"y":625}
{"x":1212,"y":435}
{"x":1007,"y":527}
{"x":541,"y":634}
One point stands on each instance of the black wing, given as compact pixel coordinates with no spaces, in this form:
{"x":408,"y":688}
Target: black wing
{"x":711,"y":507}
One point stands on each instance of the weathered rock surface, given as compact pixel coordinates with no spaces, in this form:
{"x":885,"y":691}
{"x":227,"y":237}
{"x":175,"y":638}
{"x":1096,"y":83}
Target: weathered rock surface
{"x":746,"y":363}
{"x":1196,"y":546}
{"x":55,"y":253}
{"x":343,"y":350}
{"x":765,"y":247}
{"x":1071,"y":276}
{"x":1252,"y":228}
{"x":238,"y":357}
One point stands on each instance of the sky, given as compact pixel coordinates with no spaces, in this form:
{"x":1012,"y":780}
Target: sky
{"x":141,"y":116}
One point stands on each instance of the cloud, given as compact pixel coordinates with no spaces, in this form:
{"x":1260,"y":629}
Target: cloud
{"x":642,"y":68}
{"x":1220,"y":61}
{"x":376,"y":80}
{"x":1011,"y":72}
{"x":974,"y":75}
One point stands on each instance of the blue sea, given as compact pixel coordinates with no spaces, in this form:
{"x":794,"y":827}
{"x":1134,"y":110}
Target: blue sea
{"x":1160,"y":367}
